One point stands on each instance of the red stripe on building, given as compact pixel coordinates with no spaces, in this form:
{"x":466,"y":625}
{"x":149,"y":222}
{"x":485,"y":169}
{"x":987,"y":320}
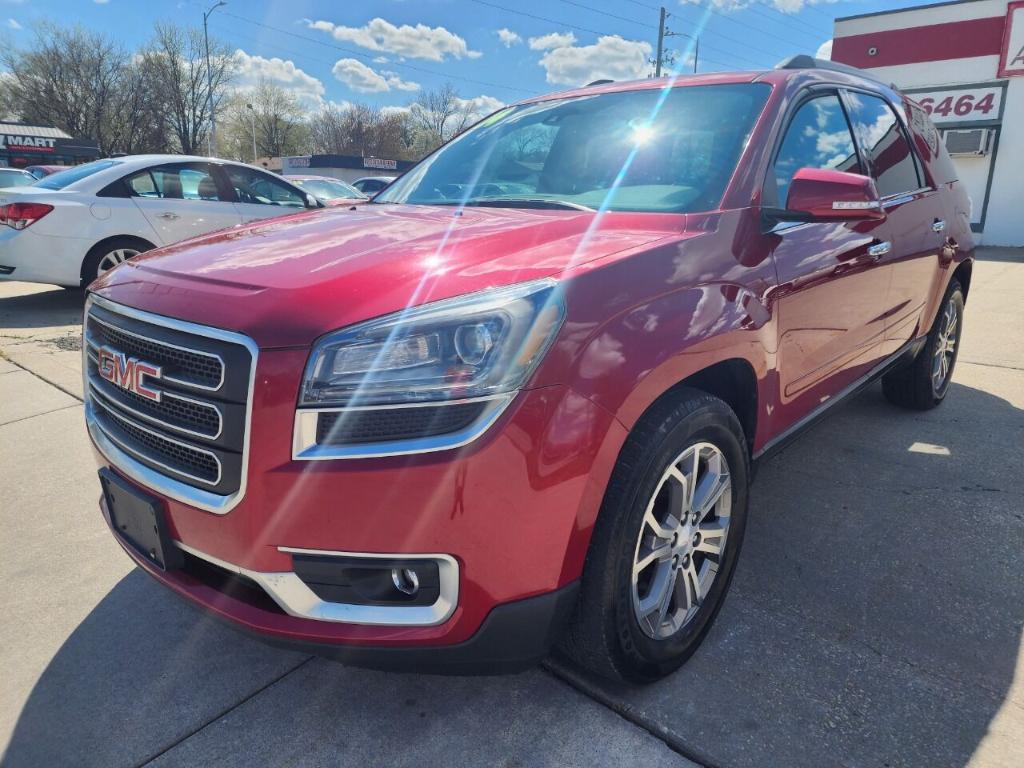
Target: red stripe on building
{"x":915,"y":45}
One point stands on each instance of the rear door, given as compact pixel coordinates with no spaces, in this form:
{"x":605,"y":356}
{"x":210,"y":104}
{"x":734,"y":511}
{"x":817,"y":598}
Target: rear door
{"x":832,"y":288}
{"x":181,"y":200}
{"x":916,"y":217}
{"x":259,"y":195}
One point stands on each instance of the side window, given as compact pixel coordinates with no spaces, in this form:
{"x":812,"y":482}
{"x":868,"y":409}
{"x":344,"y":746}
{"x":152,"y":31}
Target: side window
{"x":251,"y":186}
{"x":817,"y":137}
{"x":173,"y":182}
{"x":892,"y":161}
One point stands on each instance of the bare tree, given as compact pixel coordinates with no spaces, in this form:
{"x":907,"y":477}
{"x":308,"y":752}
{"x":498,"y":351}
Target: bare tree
{"x":176,"y":59}
{"x":275,"y":116}
{"x":70,"y":78}
{"x":361,"y":130}
{"x":440,"y":114}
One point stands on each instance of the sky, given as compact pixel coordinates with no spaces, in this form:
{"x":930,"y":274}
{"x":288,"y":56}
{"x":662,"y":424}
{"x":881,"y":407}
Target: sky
{"x":384,"y":52}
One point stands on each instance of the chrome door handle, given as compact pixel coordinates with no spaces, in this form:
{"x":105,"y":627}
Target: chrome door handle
{"x":168,"y":215}
{"x":938,"y":226}
{"x":879,"y":249}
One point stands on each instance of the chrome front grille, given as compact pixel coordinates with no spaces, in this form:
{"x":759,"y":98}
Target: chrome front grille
{"x":189,"y":437}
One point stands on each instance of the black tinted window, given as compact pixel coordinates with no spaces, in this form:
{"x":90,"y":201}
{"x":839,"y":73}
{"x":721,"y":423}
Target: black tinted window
{"x":251,"y":186}
{"x":174,"y":182}
{"x":880,"y":133}
{"x":817,"y":137}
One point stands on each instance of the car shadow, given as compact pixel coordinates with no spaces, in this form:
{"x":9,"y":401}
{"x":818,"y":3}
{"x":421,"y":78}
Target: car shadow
{"x":42,"y":309}
{"x":875,"y":620}
{"x":877,"y":609}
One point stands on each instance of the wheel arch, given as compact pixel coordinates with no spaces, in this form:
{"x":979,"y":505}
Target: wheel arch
{"x":963,"y":274}
{"x":107,"y":241}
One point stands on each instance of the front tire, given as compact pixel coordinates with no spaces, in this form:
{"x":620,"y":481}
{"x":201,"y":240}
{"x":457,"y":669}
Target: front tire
{"x":923,"y":384}
{"x":665,"y":543}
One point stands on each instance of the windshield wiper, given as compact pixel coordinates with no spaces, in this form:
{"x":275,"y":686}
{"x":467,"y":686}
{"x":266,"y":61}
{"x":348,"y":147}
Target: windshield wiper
{"x":528,"y":202}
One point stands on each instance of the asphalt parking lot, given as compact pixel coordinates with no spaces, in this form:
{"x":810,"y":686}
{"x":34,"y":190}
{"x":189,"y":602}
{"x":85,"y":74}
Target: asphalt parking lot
{"x":875,"y":620}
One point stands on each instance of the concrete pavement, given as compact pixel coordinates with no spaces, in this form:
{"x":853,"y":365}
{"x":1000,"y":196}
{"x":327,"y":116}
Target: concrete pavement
{"x":875,"y":619}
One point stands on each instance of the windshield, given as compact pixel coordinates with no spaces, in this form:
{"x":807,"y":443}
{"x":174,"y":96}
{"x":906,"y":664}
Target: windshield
{"x":61,"y":179}
{"x":328,"y":189}
{"x":13,"y":178}
{"x":650,"y":150}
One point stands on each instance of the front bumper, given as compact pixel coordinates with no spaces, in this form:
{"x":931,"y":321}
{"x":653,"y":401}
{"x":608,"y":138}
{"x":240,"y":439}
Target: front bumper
{"x":513,"y":637}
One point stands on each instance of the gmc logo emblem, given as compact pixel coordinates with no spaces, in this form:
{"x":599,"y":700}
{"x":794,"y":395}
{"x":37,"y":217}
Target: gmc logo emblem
{"x":128,"y":373}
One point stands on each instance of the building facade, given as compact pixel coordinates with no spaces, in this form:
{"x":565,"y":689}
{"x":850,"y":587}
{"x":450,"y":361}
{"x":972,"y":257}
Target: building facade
{"x":23,"y":145}
{"x":963,"y":61}
{"x":344,"y":167}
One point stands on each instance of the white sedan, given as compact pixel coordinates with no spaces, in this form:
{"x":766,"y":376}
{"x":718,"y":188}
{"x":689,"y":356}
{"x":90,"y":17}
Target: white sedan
{"x":72,"y":226}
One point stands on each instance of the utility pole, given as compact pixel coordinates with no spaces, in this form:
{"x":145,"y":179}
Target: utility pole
{"x":253,"y":116}
{"x":661,"y":42}
{"x":211,"y":141}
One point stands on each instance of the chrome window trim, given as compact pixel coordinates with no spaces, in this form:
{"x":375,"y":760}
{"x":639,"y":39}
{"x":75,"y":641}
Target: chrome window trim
{"x":150,"y":339}
{"x":144,"y":475}
{"x":306,"y":448}
{"x":161,"y":422}
{"x":296,"y":599}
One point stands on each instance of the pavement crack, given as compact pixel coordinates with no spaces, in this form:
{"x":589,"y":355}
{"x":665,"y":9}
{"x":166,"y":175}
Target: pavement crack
{"x":227,"y":710}
{"x":44,"y":379}
{"x":44,"y":413}
{"x":577,"y":680}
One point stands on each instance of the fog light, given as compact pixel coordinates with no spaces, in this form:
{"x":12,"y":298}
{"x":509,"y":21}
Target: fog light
{"x":405,"y":580}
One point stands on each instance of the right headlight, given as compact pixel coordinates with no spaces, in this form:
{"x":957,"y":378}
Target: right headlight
{"x":472,"y":346}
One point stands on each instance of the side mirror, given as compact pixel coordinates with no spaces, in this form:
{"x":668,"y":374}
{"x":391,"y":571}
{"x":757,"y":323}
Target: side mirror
{"x":312,"y":202}
{"x":817,"y":194}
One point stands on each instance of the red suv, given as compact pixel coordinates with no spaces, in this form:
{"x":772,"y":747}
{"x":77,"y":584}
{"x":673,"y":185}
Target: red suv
{"x":514,"y":402}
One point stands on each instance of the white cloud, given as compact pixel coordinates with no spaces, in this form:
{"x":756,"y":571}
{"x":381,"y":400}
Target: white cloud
{"x":508,"y":37}
{"x":381,"y":60}
{"x":824,"y":50}
{"x":481,"y":105}
{"x":552,"y":40}
{"x":13,"y":24}
{"x":282,"y":72}
{"x":101,"y":2}
{"x":364,"y":79}
{"x":419,"y":42}
{"x":610,"y":57}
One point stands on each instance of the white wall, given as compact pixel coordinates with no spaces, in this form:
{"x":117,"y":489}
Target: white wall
{"x":1004,"y":224}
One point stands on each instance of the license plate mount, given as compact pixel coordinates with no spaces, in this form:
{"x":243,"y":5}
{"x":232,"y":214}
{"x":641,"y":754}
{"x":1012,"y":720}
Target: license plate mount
{"x":139,"y":520}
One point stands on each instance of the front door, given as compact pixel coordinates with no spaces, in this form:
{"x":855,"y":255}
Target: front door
{"x":181,"y":200}
{"x":833,"y":283}
{"x":259,"y":195}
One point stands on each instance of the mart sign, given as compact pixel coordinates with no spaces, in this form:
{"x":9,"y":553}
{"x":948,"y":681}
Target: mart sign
{"x":1011,"y":62}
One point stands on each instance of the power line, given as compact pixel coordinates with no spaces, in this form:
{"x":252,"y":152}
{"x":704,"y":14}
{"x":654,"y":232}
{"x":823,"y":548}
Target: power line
{"x":368,"y":57}
{"x":610,"y":15}
{"x":599,"y":32}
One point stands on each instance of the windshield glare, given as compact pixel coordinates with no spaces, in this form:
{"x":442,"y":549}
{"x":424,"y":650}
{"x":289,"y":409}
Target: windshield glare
{"x":62,"y":179}
{"x":325,"y":189}
{"x":650,"y":150}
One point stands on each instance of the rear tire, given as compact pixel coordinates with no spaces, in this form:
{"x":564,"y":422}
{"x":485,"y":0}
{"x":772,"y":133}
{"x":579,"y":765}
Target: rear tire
{"x":658,"y":518}
{"x":106,"y":255}
{"x":923,"y":384}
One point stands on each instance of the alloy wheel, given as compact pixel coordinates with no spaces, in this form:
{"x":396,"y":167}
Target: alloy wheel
{"x":113,"y":258}
{"x":945,"y":347}
{"x":682,"y":540}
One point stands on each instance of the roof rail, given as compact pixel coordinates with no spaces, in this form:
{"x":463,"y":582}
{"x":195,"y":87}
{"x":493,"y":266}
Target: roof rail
{"x":598,"y":82}
{"x":803,"y":61}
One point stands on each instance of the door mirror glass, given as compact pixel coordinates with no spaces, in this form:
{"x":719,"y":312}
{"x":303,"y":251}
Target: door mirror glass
{"x":817,"y":194}
{"x":312,"y":202}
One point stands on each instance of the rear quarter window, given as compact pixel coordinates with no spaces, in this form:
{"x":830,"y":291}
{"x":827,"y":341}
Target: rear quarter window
{"x":931,"y":146}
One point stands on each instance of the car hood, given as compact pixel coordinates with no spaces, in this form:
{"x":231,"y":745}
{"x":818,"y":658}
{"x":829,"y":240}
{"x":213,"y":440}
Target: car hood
{"x":286,"y":281}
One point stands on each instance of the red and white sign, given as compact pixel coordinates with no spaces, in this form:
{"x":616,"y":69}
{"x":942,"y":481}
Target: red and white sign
{"x":1011,"y":62}
{"x":380,"y":162}
{"x":966,"y":104}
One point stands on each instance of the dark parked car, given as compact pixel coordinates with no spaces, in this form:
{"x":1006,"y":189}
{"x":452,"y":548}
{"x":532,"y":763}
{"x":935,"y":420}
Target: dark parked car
{"x":515,"y":399}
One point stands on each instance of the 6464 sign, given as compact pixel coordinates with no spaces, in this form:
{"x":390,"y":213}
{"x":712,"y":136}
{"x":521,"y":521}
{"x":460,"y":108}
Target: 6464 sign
{"x":967,"y":104}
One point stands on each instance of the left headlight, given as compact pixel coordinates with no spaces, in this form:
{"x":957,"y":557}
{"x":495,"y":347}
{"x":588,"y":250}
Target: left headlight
{"x":476,"y":345}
